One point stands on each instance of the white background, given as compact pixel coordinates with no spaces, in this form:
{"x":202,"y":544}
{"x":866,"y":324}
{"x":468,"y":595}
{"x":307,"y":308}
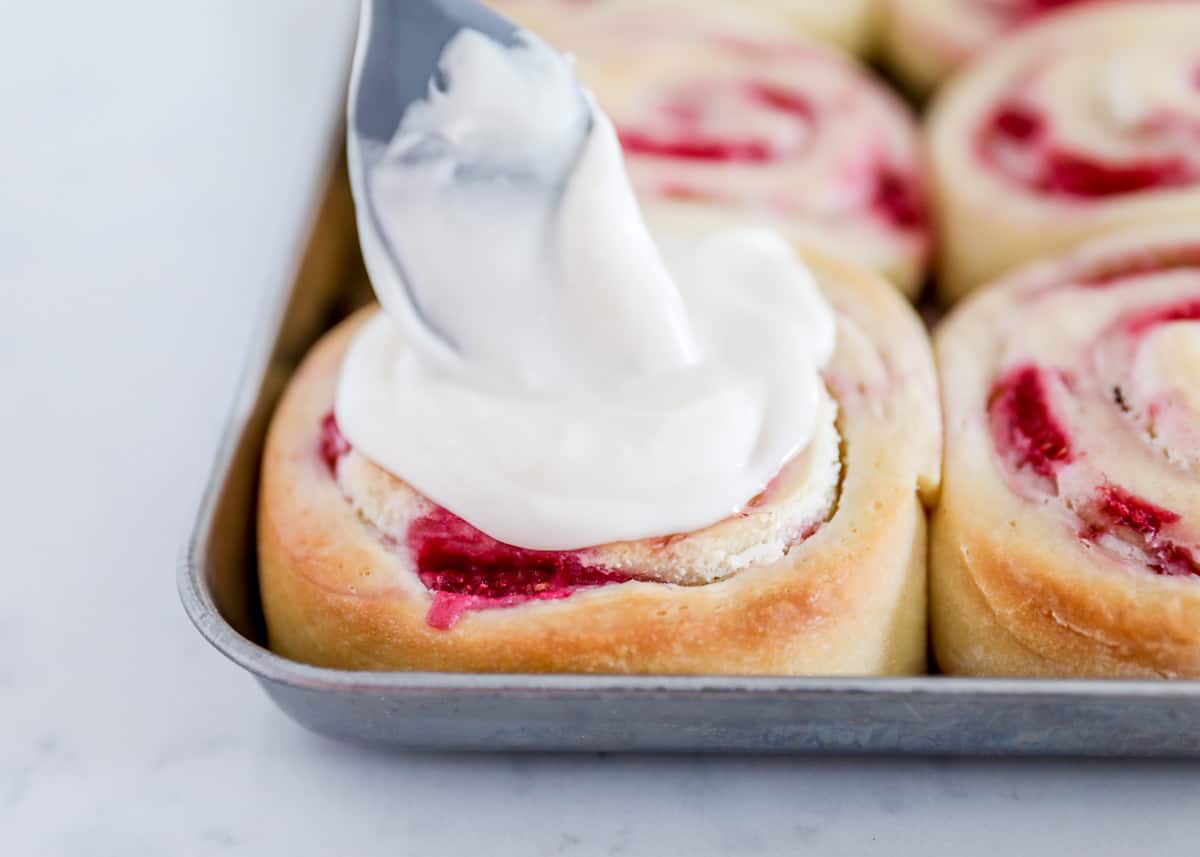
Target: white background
{"x":154,"y":162}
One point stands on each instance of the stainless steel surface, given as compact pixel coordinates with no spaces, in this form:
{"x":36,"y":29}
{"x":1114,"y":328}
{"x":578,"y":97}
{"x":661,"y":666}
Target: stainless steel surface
{"x":929,"y":715}
{"x":399,"y":46}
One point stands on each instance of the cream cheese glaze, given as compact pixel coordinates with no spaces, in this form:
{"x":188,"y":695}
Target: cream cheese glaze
{"x":568,"y":381}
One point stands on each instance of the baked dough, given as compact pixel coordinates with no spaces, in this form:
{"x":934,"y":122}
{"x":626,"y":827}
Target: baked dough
{"x":1067,"y":538}
{"x":1083,"y":123}
{"x":849,"y":24}
{"x":340,"y":579}
{"x":727,"y":119}
{"x":924,"y":41}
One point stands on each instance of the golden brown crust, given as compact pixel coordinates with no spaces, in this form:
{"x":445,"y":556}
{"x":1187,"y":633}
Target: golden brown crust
{"x":1014,"y":588}
{"x":1001,"y":606}
{"x":848,"y":600}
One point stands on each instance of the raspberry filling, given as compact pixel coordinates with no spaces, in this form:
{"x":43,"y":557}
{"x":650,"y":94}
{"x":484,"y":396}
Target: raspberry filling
{"x":1120,"y":508}
{"x":469,"y":570}
{"x":466,"y":569}
{"x":684,"y":132}
{"x":1015,"y":141}
{"x":686,"y":119}
{"x":332,"y":443}
{"x":1023,"y":425}
{"x":1186,"y":311}
{"x":1027,"y":10}
{"x":1026,"y":430}
{"x":695,"y":148}
{"x":1138,"y":523}
{"x":898,"y":200}
{"x":1147,"y":262}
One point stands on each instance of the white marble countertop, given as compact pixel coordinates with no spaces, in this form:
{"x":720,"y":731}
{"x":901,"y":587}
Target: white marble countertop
{"x":155,"y":162}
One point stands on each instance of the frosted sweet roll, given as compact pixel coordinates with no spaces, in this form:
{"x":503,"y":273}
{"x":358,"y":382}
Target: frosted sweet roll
{"x":568,"y":445}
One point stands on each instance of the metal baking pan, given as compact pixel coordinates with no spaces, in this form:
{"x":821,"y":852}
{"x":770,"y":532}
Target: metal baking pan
{"x":927,"y":715}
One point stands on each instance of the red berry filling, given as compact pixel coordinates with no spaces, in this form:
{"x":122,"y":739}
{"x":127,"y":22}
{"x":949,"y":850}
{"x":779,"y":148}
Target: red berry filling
{"x":684,"y":131}
{"x":1186,"y":311}
{"x":1122,"y":509}
{"x":1015,"y":122}
{"x":684,"y":136}
{"x":1030,"y":9}
{"x":1070,"y":174}
{"x":1143,"y":263}
{"x":1015,"y":134}
{"x":1041,"y":6}
{"x":782,"y":100}
{"x":1013,"y":13}
{"x":1114,"y":509}
{"x":1026,"y":431}
{"x":898,"y":200}
{"x":694,"y":148}
{"x":333,"y":444}
{"x":468,"y":569}
{"x":1173,"y":560}
{"x":1023,"y":425}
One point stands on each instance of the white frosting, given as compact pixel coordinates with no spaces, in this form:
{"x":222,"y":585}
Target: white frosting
{"x":564,"y":381}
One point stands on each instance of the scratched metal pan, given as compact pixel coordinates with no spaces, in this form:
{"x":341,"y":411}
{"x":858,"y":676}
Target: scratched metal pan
{"x":927,"y":715}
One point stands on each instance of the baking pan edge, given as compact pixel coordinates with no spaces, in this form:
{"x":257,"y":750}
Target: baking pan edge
{"x":925,"y":714}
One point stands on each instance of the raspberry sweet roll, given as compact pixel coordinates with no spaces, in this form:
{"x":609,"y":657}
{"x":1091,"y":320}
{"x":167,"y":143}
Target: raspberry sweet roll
{"x":923,"y":41}
{"x":1066,"y":541}
{"x":583,"y":446}
{"x":822,"y":573}
{"x":1085,"y":123}
{"x":724,"y":121}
